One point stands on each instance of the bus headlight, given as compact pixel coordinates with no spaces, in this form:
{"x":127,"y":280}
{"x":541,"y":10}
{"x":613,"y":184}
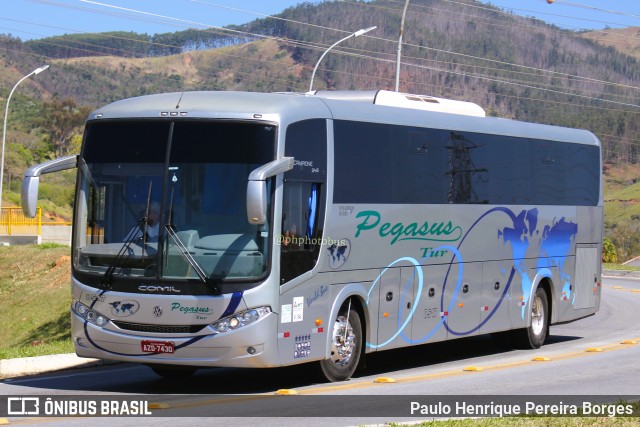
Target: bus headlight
{"x":221,"y":326}
{"x":81,"y":309}
{"x":89,"y":314}
{"x":240,"y":319}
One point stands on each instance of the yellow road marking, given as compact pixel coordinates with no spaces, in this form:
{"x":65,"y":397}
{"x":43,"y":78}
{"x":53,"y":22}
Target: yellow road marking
{"x":458,"y":372}
{"x":30,"y":421}
{"x":623,"y":289}
{"x":352,"y":385}
{"x":153,"y":405}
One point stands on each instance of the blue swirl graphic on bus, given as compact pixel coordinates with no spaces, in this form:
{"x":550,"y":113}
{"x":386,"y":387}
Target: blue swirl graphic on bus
{"x":557,"y":240}
{"x":429,"y":334}
{"x":554,"y":244}
{"x":417,"y":269}
{"x":524,"y":226}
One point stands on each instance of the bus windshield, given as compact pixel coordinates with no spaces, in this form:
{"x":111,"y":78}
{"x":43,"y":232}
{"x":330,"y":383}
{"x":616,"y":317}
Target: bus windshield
{"x":167,"y":200}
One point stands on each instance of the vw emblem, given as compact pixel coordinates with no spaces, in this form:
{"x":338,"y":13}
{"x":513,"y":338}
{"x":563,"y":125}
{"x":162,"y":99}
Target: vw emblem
{"x":157,"y":311}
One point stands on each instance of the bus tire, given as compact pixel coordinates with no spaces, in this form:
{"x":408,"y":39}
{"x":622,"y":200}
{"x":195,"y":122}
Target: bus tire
{"x":170,"y":372}
{"x":346,"y":347}
{"x":535,"y":335}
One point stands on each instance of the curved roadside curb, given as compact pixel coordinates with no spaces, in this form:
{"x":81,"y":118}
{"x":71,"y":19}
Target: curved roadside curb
{"x":621,"y":273}
{"x":11,"y":368}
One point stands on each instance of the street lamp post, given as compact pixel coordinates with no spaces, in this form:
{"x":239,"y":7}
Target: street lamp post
{"x":404,"y":13}
{"x":4,"y":127}
{"x":356,"y":34}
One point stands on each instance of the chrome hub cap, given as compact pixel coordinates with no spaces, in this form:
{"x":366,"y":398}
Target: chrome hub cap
{"x":343,"y":342}
{"x":537,"y":316}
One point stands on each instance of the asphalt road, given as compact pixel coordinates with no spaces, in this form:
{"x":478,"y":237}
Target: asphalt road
{"x":591,"y":357}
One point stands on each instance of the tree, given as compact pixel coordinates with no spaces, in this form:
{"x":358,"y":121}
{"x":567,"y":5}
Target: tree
{"x":62,"y":120}
{"x":609,"y":253}
{"x":17,"y":159}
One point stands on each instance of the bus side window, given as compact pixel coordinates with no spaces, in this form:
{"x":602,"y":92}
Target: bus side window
{"x":301,"y":235}
{"x":303,"y":199}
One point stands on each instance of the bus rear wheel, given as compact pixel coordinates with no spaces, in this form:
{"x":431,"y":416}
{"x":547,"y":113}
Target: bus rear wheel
{"x":346,"y":347}
{"x":536,"y":334}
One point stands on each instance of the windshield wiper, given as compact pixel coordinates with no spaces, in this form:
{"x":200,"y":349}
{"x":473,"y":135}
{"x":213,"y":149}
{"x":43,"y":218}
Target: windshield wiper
{"x":185,"y":253}
{"x":124,"y":253}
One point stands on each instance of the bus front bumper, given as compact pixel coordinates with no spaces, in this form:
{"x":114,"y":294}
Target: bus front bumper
{"x":246,"y":347}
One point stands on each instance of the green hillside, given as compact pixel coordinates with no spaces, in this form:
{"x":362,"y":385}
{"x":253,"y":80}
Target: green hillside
{"x":34,"y":288}
{"x":622,"y":209}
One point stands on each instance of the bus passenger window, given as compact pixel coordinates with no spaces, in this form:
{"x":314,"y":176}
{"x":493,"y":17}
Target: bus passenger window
{"x":301,"y":235}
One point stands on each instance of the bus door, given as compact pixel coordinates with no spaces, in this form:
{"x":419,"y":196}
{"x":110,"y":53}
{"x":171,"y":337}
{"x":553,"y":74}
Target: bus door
{"x":397,"y":298}
{"x":494,"y":308}
{"x":586,"y":283}
{"x":428,"y":319}
{"x":462,"y":297}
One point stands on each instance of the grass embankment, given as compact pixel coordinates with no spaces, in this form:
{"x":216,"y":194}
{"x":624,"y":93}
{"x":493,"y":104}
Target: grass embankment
{"x":35,"y":295}
{"x":622,"y":198}
{"x":537,"y":422}
{"x":619,"y":267}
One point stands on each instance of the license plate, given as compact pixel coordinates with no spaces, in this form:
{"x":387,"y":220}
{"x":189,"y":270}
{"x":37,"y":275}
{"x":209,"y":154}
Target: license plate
{"x":157,"y":346}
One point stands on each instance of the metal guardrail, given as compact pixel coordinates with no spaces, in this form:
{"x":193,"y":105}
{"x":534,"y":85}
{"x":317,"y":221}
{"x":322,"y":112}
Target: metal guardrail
{"x":14,"y":223}
{"x":16,"y":229}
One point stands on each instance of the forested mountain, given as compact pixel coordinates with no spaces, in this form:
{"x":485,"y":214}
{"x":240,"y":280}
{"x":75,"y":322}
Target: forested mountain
{"x":625,"y":40}
{"x":514,"y":67}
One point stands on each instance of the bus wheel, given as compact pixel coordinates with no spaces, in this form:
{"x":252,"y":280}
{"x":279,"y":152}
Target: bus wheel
{"x":173,"y":372}
{"x":536,"y":334}
{"x":346,"y":347}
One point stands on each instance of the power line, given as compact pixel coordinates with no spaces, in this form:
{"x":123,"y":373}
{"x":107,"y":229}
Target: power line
{"x":478,"y":58}
{"x":317,"y":46}
{"x":209,"y":28}
{"x":584,"y":6}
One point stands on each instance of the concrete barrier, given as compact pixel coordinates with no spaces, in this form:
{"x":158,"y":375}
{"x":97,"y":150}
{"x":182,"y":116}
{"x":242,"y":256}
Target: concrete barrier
{"x":19,"y":240}
{"x":60,"y":234}
{"x":56,"y":234}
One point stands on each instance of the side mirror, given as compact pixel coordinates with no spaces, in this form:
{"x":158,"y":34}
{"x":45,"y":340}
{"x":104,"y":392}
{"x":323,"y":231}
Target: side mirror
{"x":31,"y":181}
{"x":257,"y":188}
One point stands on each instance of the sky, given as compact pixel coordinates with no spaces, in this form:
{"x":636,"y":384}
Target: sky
{"x":33,"y":19}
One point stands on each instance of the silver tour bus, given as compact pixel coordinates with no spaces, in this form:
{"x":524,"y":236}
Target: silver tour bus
{"x":261,"y":230}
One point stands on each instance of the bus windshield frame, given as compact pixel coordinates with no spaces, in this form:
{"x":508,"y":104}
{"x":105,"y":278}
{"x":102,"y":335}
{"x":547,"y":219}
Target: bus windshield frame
{"x":161,"y":201}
